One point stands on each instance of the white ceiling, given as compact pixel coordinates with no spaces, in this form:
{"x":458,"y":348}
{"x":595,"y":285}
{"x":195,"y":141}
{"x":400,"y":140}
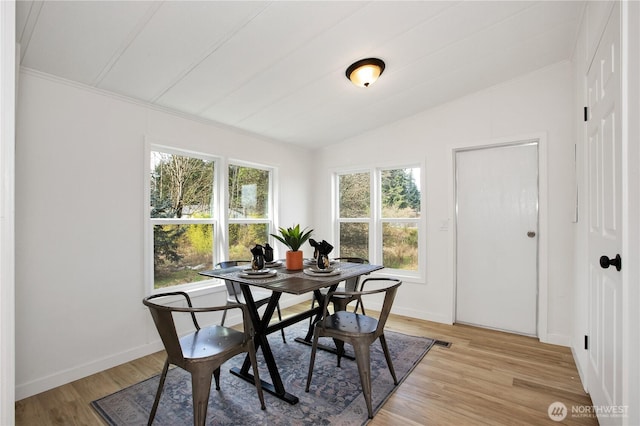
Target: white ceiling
{"x":277,"y":68}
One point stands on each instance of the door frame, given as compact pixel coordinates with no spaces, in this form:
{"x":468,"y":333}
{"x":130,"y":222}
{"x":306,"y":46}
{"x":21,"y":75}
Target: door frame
{"x":542,"y":262}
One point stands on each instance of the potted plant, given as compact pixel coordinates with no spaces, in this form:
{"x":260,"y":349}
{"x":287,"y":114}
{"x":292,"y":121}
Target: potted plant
{"x":293,"y":238}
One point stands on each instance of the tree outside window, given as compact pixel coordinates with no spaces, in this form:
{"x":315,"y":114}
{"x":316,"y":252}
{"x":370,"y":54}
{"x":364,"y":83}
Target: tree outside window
{"x":400,"y":212}
{"x":354,"y":214}
{"x":249,"y":209}
{"x":181,"y":197}
{"x":392,"y":210}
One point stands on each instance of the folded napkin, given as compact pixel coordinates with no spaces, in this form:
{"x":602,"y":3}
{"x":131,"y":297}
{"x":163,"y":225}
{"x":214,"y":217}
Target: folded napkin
{"x":324,"y":248}
{"x":315,"y":245}
{"x":268,"y":253}
{"x":258,"y":257}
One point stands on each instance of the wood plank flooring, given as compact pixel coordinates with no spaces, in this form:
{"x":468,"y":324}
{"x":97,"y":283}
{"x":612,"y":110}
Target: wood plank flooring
{"x":484,"y":377}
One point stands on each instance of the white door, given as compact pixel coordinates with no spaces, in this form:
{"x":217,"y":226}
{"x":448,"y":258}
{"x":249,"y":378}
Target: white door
{"x":496,"y":237}
{"x":604,"y":214}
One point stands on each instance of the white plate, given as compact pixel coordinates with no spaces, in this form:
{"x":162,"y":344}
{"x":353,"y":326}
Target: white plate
{"x":321,"y":271}
{"x":253,"y":274}
{"x":250,"y":271}
{"x":309,"y":271}
{"x":273,"y":264}
{"x":310,"y":262}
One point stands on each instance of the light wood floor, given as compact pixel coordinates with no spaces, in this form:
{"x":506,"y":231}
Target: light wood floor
{"x":484,"y":377}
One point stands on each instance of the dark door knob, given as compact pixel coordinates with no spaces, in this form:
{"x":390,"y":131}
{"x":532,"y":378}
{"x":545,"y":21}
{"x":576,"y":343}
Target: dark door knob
{"x":605,"y":262}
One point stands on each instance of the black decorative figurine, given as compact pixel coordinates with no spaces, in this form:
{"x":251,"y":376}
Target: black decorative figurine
{"x":257,"y":262}
{"x":324,"y":248}
{"x":313,"y":243}
{"x":268,"y":253}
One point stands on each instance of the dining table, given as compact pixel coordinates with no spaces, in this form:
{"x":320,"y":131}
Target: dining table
{"x":280,"y":280}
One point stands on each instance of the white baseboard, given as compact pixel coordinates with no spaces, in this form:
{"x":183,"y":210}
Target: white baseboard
{"x":427,"y":316}
{"x":581,"y":373}
{"x":557,"y":339}
{"x":25,"y":390}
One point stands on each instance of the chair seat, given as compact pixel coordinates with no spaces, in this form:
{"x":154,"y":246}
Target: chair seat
{"x":210,"y":341}
{"x":360,"y":331}
{"x":349,"y":323}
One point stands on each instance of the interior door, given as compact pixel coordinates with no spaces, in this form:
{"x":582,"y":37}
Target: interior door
{"x":604,"y":214}
{"x":496,"y":237}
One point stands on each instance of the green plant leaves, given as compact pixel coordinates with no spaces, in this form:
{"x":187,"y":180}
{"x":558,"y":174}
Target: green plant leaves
{"x":293,"y":237}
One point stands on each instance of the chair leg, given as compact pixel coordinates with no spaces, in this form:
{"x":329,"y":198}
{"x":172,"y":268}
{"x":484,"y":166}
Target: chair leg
{"x":280,"y":319}
{"x":201,"y":388}
{"x":224,"y":316}
{"x":360,"y":305}
{"x":363,"y":359}
{"x":339,"y":349}
{"x":256,"y":375}
{"x":154,"y":408}
{"x":216,"y":376}
{"x":387,"y":355}
{"x":313,"y":304}
{"x":312,"y":360}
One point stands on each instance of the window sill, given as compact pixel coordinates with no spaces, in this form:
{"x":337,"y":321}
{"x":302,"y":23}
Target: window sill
{"x":197,"y":289}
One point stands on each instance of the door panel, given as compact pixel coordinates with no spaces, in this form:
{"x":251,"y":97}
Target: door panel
{"x":604,"y":380}
{"x":496,"y":237}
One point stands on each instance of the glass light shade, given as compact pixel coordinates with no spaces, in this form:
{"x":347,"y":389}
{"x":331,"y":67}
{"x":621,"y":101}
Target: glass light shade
{"x":364,"y":72}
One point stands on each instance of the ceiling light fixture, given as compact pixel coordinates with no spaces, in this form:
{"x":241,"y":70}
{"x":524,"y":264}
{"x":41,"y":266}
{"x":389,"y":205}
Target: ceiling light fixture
{"x":365,"y":71}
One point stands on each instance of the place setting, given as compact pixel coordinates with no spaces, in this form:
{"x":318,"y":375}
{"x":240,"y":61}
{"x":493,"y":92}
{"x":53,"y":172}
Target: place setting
{"x":260,"y":273}
{"x":320,"y":265}
{"x":261,"y":263}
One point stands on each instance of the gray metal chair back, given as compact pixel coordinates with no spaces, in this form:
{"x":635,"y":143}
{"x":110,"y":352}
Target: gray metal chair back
{"x":360,"y":331}
{"x":201,"y":352}
{"x":350,"y":284}
{"x":234,"y":292}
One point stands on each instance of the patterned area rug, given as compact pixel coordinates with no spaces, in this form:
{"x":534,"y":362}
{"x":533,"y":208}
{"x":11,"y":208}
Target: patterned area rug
{"x":335,"y":396}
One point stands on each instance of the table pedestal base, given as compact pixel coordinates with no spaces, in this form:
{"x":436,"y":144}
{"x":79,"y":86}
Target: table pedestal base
{"x":266,"y":386}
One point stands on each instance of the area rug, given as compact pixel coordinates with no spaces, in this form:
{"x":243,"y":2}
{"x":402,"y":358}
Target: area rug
{"x":335,"y":396}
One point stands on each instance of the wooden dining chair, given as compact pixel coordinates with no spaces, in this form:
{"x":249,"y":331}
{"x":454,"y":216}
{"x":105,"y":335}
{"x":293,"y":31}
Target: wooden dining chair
{"x":234,"y":292}
{"x":351,"y":284}
{"x":360,"y":331}
{"x":201,"y":352}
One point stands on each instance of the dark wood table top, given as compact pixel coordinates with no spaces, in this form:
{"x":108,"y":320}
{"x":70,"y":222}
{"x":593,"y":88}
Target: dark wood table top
{"x":294,"y":282}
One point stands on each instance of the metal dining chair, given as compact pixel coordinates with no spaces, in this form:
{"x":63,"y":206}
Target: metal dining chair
{"x":234,"y":292}
{"x":351,"y":284}
{"x":202,"y":352}
{"x":360,"y":331}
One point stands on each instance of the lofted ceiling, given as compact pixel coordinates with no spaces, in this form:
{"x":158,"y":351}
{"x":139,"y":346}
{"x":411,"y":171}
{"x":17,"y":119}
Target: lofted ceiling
{"x":277,"y":69}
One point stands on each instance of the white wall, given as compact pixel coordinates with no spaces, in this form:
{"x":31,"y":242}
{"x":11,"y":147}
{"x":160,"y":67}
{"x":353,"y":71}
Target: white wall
{"x":7,"y":204}
{"x":79,"y":223}
{"x":538,"y":103}
{"x":581,"y":291}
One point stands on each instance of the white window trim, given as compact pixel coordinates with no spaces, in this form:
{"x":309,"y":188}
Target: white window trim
{"x":208,"y":285}
{"x":271,"y":214}
{"x":376,"y":220}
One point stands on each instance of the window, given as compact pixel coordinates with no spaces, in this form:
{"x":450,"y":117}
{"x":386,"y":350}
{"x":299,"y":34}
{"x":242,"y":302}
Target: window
{"x":249,"y":218}
{"x":382,"y":221}
{"x":188,"y":230}
{"x":399,"y":216}
{"x":181,"y":197}
{"x":354,"y":214}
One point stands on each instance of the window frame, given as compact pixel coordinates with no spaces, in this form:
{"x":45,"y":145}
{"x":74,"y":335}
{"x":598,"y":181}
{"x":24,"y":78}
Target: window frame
{"x":149,"y":222}
{"x":269,"y":221}
{"x":376,"y":221}
{"x":219,"y":215}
